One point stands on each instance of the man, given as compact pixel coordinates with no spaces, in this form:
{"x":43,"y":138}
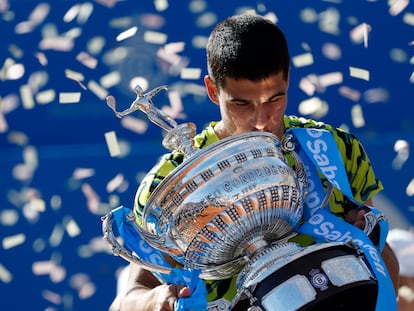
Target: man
{"x":248,"y":79}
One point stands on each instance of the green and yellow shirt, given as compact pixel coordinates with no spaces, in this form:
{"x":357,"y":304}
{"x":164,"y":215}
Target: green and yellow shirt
{"x":360,"y":173}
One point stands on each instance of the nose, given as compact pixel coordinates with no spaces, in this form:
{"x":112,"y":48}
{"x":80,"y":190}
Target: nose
{"x":259,"y":118}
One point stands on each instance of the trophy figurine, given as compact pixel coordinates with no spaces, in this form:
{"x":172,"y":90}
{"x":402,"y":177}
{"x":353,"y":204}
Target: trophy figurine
{"x":230,"y":209}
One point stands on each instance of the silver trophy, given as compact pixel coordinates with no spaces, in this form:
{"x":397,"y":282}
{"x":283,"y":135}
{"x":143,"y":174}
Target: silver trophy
{"x":229,"y":209}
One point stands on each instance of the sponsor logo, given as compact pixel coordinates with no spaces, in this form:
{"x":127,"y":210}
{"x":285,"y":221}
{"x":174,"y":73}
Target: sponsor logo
{"x":327,"y":230}
{"x":318,"y":150}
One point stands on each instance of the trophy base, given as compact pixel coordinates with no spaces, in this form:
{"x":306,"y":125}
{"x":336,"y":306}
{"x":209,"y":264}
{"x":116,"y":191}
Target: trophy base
{"x":331,"y":276}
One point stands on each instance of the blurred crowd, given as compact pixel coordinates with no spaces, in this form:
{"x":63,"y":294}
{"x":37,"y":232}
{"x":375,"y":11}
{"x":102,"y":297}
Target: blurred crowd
{"x":402,"y":242}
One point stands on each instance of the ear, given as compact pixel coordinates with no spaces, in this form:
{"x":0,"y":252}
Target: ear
{"x":211,"y":90}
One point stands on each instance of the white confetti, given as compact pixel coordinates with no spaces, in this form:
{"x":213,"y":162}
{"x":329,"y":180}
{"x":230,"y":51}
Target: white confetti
{"x":408,"y":18}
{"x":4,"y":126}
{"x":46,"y":97}
{"x":112,"y":143}
{"x":111,"y":79}
{"x":55,"y":238}
{"x":360,"y":34}
{"x":8,"y":217}
{"x":69,"y":97}
{"x":127,"y":34}
{"x":52,"y":297}
{"x":13,"y":241}
{"x":307,"y":86}
{"x":313,"y":106}
{"x":155,"y":37}
{"x":92,"y":198}
{"x":87,"y":60}
{"x":190,"y":73}
{"x":63,"y":44}
{"x":27,"y":97}
{"x":350,"y":93}
{"x":114,"y":183}
{"x":98,"y":90}
{"x":5,"y":275}
{"x":83,"y":173}
{"x":15,"y":72}
{"x":359,"y":73}
{"x":357,"y":116}
{"x":410,"y":188}
{"x":136,"y":125}
{"x":302,"y":60}
{"x":331,"y":78}
{"x":72,"y":228}
{"x":398,"y":6}
{"x":402,"y":148}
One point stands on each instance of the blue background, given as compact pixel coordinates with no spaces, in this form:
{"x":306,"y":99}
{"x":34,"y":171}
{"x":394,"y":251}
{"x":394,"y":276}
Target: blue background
{"x":67,"y":137}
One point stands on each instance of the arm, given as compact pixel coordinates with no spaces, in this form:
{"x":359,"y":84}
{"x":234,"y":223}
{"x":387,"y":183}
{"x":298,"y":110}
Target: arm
{"x":144,"y":292}
{"x":356,"y":217}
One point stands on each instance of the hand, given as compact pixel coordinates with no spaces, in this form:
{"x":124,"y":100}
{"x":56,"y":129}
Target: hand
{"x":166,"y":295}
{"x":356,"y":217}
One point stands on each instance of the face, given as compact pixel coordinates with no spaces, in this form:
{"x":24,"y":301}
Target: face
{"x":247,"y":106}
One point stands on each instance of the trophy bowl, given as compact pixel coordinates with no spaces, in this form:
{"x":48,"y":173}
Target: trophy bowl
{"x":225,"y":203}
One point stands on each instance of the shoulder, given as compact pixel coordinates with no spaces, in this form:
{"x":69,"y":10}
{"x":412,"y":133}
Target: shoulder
{"x":341,"y":136}
{"x":206,"y":137}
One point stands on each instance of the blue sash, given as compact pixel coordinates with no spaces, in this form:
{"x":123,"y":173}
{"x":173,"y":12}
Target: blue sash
{"x":197,"y":301}
{"x":317,"y":149}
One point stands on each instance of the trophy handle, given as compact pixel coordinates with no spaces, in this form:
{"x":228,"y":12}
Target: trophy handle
{"x":119,"y":250}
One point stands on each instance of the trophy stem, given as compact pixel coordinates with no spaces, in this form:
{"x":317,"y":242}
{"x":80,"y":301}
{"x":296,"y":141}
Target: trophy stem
{"x":180,"y":139}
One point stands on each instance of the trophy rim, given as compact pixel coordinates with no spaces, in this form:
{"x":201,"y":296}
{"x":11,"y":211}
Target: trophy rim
{"x":199,"y":154}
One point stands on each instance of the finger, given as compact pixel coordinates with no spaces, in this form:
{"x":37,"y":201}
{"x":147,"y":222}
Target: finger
{"x":184,"y":292}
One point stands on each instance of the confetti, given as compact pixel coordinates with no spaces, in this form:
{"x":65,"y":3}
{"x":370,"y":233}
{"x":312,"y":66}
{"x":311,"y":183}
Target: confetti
{"x":15,"y":72}
{"x":8,"y":217}
{"x":402,"y":148}
{"x":13,"y":241}
{"x":410,"y":188}
{"x":350,"y":93}
{"x":398,"y":6}
{"x":112,"y":143}
{"x":52,"y":297}
{"x":98,"y":90}
{"x":359,"y":73}
{"x":408,"y":18}
{"x":111,"y":79}
{"x":314,"y":107}
{"x":69,"y":97}
{"x":357,"y":116}
{"x":136,"y":125}
{"x":92,"y":198}
{"x":83,"y":173}
{"x":114,"y":183}
{"x":127,"y":34}
{"x":155,"y":37}
{"x":55,"y":238}
{"x":302,"y":60}
{"x":27,"y":97}
{"x":87,"y":60}
{"x":190,"y":73}
{"x":5,"y":275}
{"x":72,"y":228}
{"x":360,"y":34}
{"x":46,"y":97}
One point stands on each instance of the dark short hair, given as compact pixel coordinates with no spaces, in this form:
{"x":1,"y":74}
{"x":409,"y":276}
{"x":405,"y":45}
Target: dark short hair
{"x":246,"y":46}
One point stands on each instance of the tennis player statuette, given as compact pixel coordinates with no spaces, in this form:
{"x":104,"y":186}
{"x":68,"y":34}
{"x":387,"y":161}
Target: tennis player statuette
{"x":229,"y":209}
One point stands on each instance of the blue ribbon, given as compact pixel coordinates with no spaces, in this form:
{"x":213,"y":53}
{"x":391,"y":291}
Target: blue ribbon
{"x":318,"y":147}
{"x":182,"y":276}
